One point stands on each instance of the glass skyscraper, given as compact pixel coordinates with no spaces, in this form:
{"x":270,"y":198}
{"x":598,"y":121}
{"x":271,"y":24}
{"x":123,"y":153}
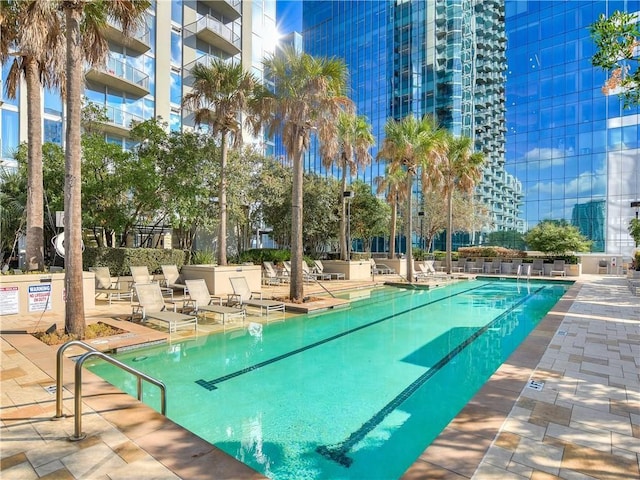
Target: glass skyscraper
{"x":575,"y":150}
{"x":444,"y":58}
{"x":558,"y":148}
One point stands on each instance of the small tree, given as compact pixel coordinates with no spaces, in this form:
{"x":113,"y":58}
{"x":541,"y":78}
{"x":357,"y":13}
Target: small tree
{"x":634,"y":230}
{"x":617,"y":39}
{"x":556,"y":237}
{"x":369,"y":215}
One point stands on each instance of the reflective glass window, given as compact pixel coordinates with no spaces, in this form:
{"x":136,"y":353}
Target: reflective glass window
{"x":10,"y":133}
{"x":53,"y":131}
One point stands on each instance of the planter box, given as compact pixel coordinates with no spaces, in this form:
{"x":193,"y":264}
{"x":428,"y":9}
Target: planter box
{"x":573,"y":270}
{"x":32,"y":294}
{"x":217,"y":277}
{"x":353,"y":270}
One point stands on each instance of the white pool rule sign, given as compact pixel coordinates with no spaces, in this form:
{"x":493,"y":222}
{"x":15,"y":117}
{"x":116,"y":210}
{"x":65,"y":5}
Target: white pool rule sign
{"x":39,"y":297}
{"x":9,"y":300}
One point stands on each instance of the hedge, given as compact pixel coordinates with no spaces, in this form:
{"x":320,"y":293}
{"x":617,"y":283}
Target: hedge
{"x":119,"y":259}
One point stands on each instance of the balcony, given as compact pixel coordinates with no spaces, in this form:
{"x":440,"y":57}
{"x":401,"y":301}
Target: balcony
{"x":118,"y":121}
{"x":121,"y":76}
{"x":140,"y":42}
{"x":214,"y":32}
{"x":231,"y":9}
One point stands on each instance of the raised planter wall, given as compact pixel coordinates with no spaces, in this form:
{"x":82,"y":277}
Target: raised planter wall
{"x":217,"y":277}
{"x":27,"y":293}
{"x":353,"y":270}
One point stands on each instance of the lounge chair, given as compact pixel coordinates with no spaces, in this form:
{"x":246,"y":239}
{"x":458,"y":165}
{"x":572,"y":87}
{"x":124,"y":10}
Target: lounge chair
{"x":558,"y":268}
{"x":314,"y":275}
{"x":426,"y":270}
{"x":243,"y":295}
{"x":172,"y":278}
{"x":537,"y":268}
{"x":106,"y":286}
{"x":478,"y":266}
{"x":494,"y":266}
{"x":270,"y":275}
{"x":202,"y":302}
{"x":151,"y":306}
{"x":306,"y":275}
{"x":381,"y":268}
{"x":142,"y":276}
{"x":332,"y":275}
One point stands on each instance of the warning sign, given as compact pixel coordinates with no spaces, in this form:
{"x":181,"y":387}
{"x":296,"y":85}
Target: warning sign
{"x":39,"y":297}
{"x":9,"y":300}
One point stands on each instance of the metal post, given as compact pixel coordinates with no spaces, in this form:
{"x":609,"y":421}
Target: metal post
{"x":421,"y":215}
{"x":348,"y":195}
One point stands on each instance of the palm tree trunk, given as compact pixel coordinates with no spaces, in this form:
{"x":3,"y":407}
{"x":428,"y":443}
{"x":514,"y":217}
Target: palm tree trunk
{"x":392,"y":230}
{"x":296,"y":288}
{"x":449,"y":227}
{"x":409,"y":228}
{"x":344,"y":251}
{"x":35,"y":206}
{"x":222,"y":199}
{"x":74,"y":303}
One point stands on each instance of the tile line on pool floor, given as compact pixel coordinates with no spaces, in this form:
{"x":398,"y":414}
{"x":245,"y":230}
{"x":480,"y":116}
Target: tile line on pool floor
{"x":338,"y":452}
{"x":211,"y":384}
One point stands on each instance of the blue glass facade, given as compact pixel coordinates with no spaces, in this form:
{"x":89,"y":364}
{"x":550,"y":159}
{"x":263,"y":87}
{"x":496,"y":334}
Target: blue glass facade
{"x":575,"y":150}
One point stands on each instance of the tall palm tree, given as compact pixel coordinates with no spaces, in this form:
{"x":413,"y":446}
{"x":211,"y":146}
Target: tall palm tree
{"x":85,"y":22}
{"x":459,"y":170}
{"x":355,"y":141}
{"x":393,"y":185}
{"x":31,"y":42}
{"x":222,"y":92}
{"x":412,"y":146}
{"x":307,"y":96}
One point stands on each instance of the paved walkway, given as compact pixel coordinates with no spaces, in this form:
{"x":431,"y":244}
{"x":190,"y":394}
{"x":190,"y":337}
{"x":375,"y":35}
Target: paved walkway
{"x":583,"y":424}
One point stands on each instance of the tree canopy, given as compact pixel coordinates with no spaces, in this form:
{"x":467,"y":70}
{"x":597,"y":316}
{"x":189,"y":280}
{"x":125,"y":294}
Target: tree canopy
{"x":556,"y":237}
{"x":617,"y":39}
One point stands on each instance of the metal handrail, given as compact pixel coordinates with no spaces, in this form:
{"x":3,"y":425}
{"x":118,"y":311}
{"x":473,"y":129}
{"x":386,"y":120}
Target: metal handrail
{"x":60,"y":372}
{"x":78,"y":435}
{"x":92,"y":352}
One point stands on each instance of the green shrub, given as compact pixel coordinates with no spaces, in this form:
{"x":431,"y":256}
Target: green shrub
{"x":259,"y":255}
{"x":119,"y":259}
{"x":484,"y":252}
{"x":203,"y":257}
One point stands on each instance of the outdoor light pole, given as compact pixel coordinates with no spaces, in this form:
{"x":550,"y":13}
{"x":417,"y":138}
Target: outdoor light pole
{"x":348,"y":195}
{"x":635,"y":205}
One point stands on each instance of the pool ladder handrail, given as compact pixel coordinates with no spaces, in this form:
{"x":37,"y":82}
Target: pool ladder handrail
{"x":92,"y":352}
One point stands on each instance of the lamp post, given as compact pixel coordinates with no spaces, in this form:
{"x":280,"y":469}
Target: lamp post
{"x":635,"y":205}
{"x":421,"y":215}
{"x":348,"y":195}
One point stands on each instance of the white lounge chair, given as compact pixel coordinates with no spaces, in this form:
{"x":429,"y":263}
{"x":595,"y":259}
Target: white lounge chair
{"x":558,"y":268}
{"x":332,"y":275}
{"x":538,"y":266}
{"x":141,"y":275}
{"x":151,"y":306}
{"x":381,"y":268}
{"x":243,"y":295}
{"x":172,"y":278}
{"x":202,"y":302}
{"x":106,"y":286}
{"x":270,"y":275}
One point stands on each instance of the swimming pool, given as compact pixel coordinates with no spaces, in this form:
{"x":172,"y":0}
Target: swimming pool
{"x":350,"y":394}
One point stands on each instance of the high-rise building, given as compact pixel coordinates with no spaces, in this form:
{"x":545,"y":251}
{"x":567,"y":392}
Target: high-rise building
{"x":575,"y":150}
{"x":444,"y":58}
{"x":147,"y":76}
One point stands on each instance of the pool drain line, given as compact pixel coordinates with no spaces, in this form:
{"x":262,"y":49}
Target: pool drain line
{"x":338,"y":452}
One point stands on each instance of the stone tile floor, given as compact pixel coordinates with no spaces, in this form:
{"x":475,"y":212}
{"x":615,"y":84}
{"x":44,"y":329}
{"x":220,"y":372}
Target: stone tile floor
{"x":583,"y":424}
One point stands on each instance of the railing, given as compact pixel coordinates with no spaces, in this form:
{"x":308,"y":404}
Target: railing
{"x":92,"y":352}
{"x":220,"y":29}
{"x":120,"y":117}
{"x":122,"y":69}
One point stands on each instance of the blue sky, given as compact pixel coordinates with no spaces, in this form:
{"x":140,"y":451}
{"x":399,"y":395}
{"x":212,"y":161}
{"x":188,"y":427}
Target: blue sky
{"x":289,"y":15}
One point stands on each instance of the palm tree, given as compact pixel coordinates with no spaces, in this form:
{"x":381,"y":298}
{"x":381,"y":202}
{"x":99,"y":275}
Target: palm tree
{"x":355,"y":139}
{"x":85,"y":21}
{"x":459,"y":170}
{"x":394,"y":185}
{"x":221,"y":93}
{"x":412,"y":146}
{"x":307,"y":97}
{"x":32,"y":42}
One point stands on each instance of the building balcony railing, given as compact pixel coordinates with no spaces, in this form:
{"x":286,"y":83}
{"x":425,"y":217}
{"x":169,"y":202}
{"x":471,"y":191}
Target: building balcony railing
{"x":214,"y":32}
{"x":231,"y":9}
{"x":140,"y":42}
{"x":121,"y":76}
{"x":118,"y":121}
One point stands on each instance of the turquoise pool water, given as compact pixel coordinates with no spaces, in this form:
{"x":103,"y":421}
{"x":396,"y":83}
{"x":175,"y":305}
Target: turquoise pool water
{"x":350,"y":394}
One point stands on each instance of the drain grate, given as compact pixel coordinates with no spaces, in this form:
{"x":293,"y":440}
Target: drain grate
{"x":561,"y":333}
{"x":50,"y":388}
{"x":535,"y":385}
